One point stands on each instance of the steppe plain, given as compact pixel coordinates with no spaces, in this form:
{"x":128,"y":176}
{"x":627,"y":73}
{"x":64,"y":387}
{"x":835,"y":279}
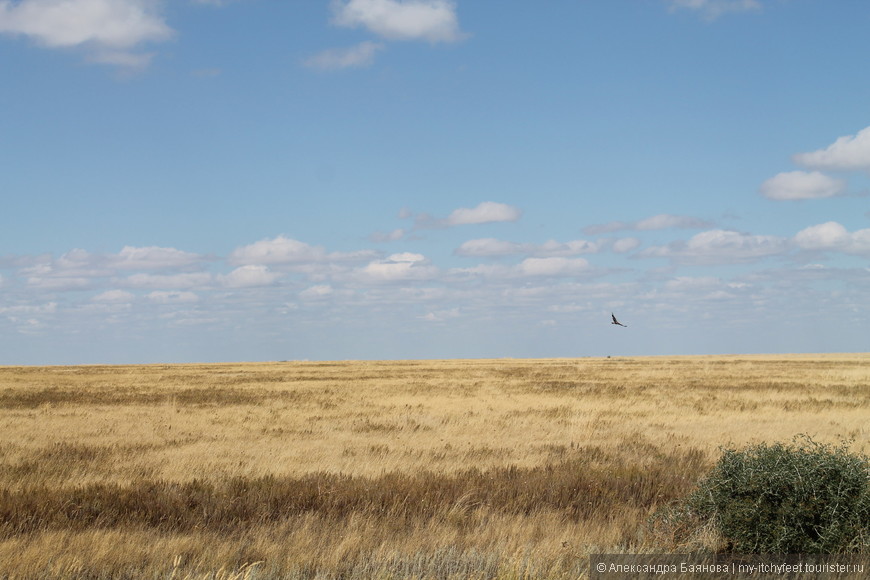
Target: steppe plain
{"x":500,"y":468}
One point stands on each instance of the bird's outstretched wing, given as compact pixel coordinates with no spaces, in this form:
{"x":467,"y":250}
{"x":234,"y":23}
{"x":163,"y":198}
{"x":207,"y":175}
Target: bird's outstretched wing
{"x":615,"y":321}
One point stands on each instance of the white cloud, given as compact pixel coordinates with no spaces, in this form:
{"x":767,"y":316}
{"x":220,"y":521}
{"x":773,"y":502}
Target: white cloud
{"x":359,"y":55}
{"x":317,"y":292}
{"x":431,"y":20}
{"x":29,"y":318}
{"x":76,"y":262}
{"x":849,"y":153}
{"x":283,"y":250}
{"x":487,"y":247}
{"x":703,"y":288}
{"x":832,"y":236}
{"x":656,"y":222}
{"x":491,"y":247}
{"x":687,"y":283}
{"x":712,"y":9}
{"x":485,"y":271}
{"x":113,"y":297}
{"x":441,"y":315}
{"x":486,"y":212}
{"x":108,"y":29}
{"x":59,"y":283}
{"x":47,"y":308}
{"x":410,"y":257}
{"x":152,"y":258}
{"x":666,"y":221}
{"x":719,"y":247}
{"x":571,"y":248}
{"x":173,"y":297}
{"x":249,"y":276}
{"x":555,"y":266}
{"x":190,"y":280}
{"x":623,"y":245}
{"x":794,"y":185}
{"x":398,"y":267}
{"x":76,"y":269}
{"x":79,"y":267}
{"x":280,"y":250}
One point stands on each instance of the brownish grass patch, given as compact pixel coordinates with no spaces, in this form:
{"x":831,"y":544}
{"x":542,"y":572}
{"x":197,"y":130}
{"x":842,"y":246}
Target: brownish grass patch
{"x":391,"y":469}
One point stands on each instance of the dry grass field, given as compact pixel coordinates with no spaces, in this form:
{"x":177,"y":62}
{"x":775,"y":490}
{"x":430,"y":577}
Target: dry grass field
{"x":394,"y":469}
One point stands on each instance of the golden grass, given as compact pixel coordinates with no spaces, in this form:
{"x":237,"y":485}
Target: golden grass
{"x":462,"y":468}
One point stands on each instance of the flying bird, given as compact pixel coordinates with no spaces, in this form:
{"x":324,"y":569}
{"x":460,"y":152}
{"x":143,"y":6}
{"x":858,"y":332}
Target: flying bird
{"x":615,"y":321}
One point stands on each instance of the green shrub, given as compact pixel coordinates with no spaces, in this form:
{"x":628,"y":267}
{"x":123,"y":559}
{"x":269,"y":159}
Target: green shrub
{"x":806,"y":498}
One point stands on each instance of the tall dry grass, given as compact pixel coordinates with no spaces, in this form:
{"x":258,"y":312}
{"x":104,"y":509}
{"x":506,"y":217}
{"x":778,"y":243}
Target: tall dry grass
{"x":490,"y":468}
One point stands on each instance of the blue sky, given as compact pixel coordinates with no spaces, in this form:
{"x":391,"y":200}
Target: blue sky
{"x":226,"y":180}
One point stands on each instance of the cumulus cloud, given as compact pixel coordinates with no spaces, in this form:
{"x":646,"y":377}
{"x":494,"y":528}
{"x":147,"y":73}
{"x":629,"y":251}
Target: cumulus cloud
{"x":189,"y":280}
{"x":571,"y":248}
{"x":491,"y":247}
{"x":623,"y":245}
{"x":555,"y":266}
{"x":29,"y":318}
{"x":249,"y":276}
{"x":441,"y":315}
{"x":682,"y":283}
{"x":283,"y":250}
{"x":657,"y":222}
{"x":75,"y":263}
{"x":409,"y":257}
{"x":849,"y":153}
{"x":703,"y":288}
{"x":109,"y":30}
{"x":396,"y":268}
{"x":666,"y":221}
{"x":430,"y":20}
{"x":59,"y":283}
{"x":719,"y":247}
{"x":434,"y":21}
{"x":113,"y":297}
{"x":359,"y":55}
{"x":79,"y":268}
{"x":832,"y":236}
{"x":317,"y":292}
{"x":172,"y":297}
{"x":712,"y":9}
{"x":48,"y":308}
{"x":794,"y":185}
{"x":279,"y":250}
{"x":552,"y":266}
{"x":484,"y":213}
{"x":488,"y":247}
{"x":153,"y":258}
